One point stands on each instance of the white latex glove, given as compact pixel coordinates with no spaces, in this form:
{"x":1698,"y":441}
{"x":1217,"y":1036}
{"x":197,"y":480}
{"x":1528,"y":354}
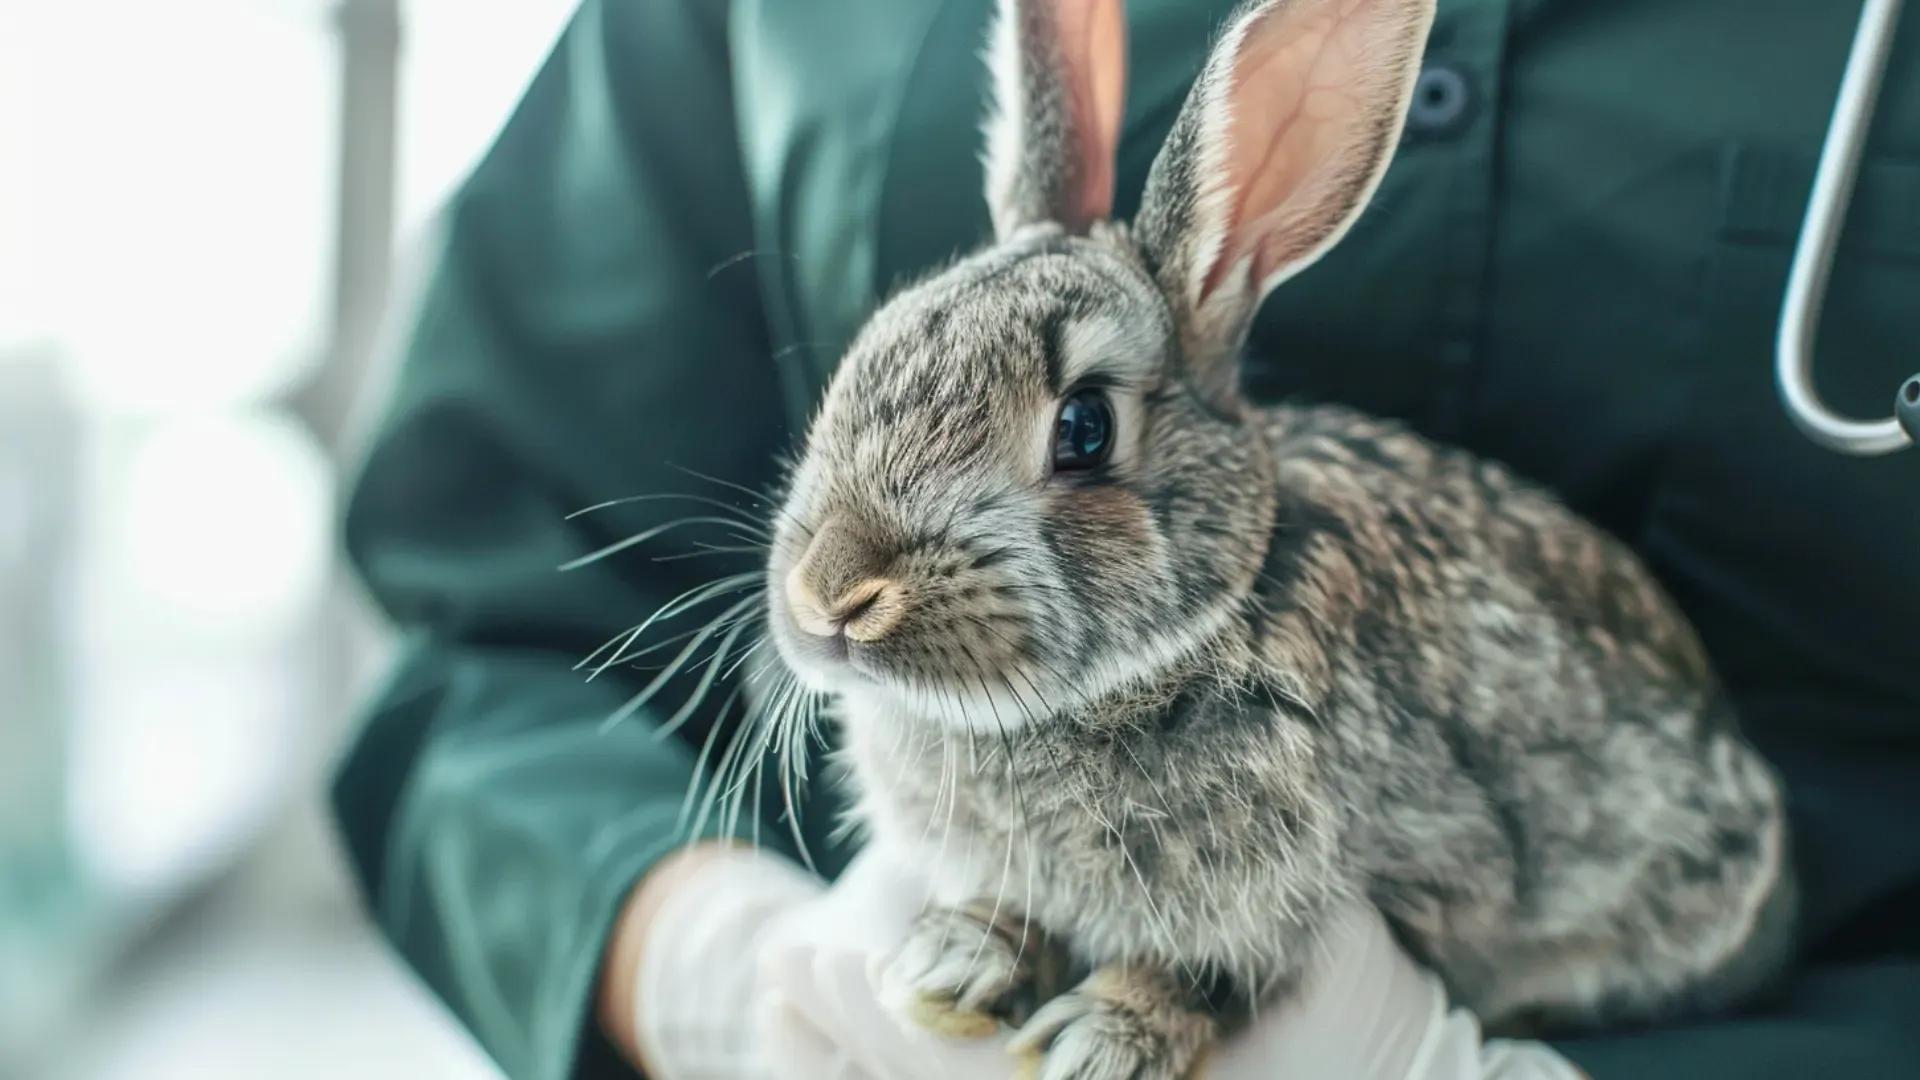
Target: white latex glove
{"x":820,"y":1015}
{"x":698,"y":988}
{"x":1370,"y":1014}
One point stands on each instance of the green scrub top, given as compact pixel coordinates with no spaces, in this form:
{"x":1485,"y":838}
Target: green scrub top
{"x":1574,"y":266}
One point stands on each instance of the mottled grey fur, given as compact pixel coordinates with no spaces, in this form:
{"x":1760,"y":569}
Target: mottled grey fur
{"x":1261,"y":662}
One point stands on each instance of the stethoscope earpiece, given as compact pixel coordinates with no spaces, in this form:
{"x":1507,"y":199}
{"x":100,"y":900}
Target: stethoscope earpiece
{"x":1906,"y":408}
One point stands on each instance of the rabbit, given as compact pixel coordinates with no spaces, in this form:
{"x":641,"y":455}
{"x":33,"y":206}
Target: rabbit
{"x":1149,"y":680}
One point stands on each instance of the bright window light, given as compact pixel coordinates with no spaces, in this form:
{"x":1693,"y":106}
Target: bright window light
{"x":172,"y":760}
{"x":460,"y":79}
{"x":204,"y":557}
{"x":217,"y":526}
{"x":180,"y":194}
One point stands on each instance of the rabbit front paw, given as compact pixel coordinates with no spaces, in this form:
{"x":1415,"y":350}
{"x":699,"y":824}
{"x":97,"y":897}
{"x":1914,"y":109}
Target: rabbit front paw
{"x":1121,"y":1023}
{"x":962,"y":971}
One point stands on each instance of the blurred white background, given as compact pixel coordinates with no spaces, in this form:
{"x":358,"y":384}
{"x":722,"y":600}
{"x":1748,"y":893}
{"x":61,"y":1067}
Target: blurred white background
{"x":202,"y":205}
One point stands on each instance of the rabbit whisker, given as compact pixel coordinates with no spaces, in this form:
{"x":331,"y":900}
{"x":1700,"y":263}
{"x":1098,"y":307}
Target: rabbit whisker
{"x":638,"y":701}
{"x":1026,"y":825}
{"x":735,"y":515}
{"x":642,"y":537}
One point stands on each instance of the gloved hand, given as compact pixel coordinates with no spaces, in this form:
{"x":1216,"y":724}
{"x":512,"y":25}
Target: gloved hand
{"x":1370,"y":1014}
{"x":698,"y":981}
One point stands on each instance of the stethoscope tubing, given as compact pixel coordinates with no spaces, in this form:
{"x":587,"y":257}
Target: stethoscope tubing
{"x":1833,"y":188}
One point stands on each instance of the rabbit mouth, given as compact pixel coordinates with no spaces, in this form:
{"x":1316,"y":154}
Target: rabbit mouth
{"x":914,"y":669}
{"x":965,"y":666}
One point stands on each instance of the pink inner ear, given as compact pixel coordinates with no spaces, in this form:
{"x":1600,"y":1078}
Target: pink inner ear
{"x":1093,"y":41}
{"x":1305,"y":112}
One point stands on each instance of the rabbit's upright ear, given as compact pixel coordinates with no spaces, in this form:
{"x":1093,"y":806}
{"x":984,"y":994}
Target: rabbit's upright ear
{"x":1059,"y":78}
{"x":1279,"y":146}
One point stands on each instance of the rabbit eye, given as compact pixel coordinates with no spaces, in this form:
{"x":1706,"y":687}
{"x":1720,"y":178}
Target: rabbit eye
{"x":1083,"y":434}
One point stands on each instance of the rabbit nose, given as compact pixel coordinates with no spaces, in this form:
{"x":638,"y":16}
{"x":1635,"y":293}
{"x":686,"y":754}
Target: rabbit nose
{"x":834,"y":590}
{"x":867,"y":612}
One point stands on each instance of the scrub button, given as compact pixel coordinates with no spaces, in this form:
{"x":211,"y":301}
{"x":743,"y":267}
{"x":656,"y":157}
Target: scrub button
{"x":1442,"y":101}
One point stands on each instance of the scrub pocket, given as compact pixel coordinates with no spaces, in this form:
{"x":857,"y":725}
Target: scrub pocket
{"x":1812,"y":551}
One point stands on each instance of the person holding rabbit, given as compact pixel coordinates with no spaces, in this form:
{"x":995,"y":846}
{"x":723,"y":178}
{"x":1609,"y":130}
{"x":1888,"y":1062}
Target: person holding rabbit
{"x":1220,"y":683}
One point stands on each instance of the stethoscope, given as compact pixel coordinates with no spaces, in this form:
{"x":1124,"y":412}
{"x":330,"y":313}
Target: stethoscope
{"x":1833,"y":186}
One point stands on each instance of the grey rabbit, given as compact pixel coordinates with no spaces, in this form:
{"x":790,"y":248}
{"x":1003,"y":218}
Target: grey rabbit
{"x":1148,"y":679}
